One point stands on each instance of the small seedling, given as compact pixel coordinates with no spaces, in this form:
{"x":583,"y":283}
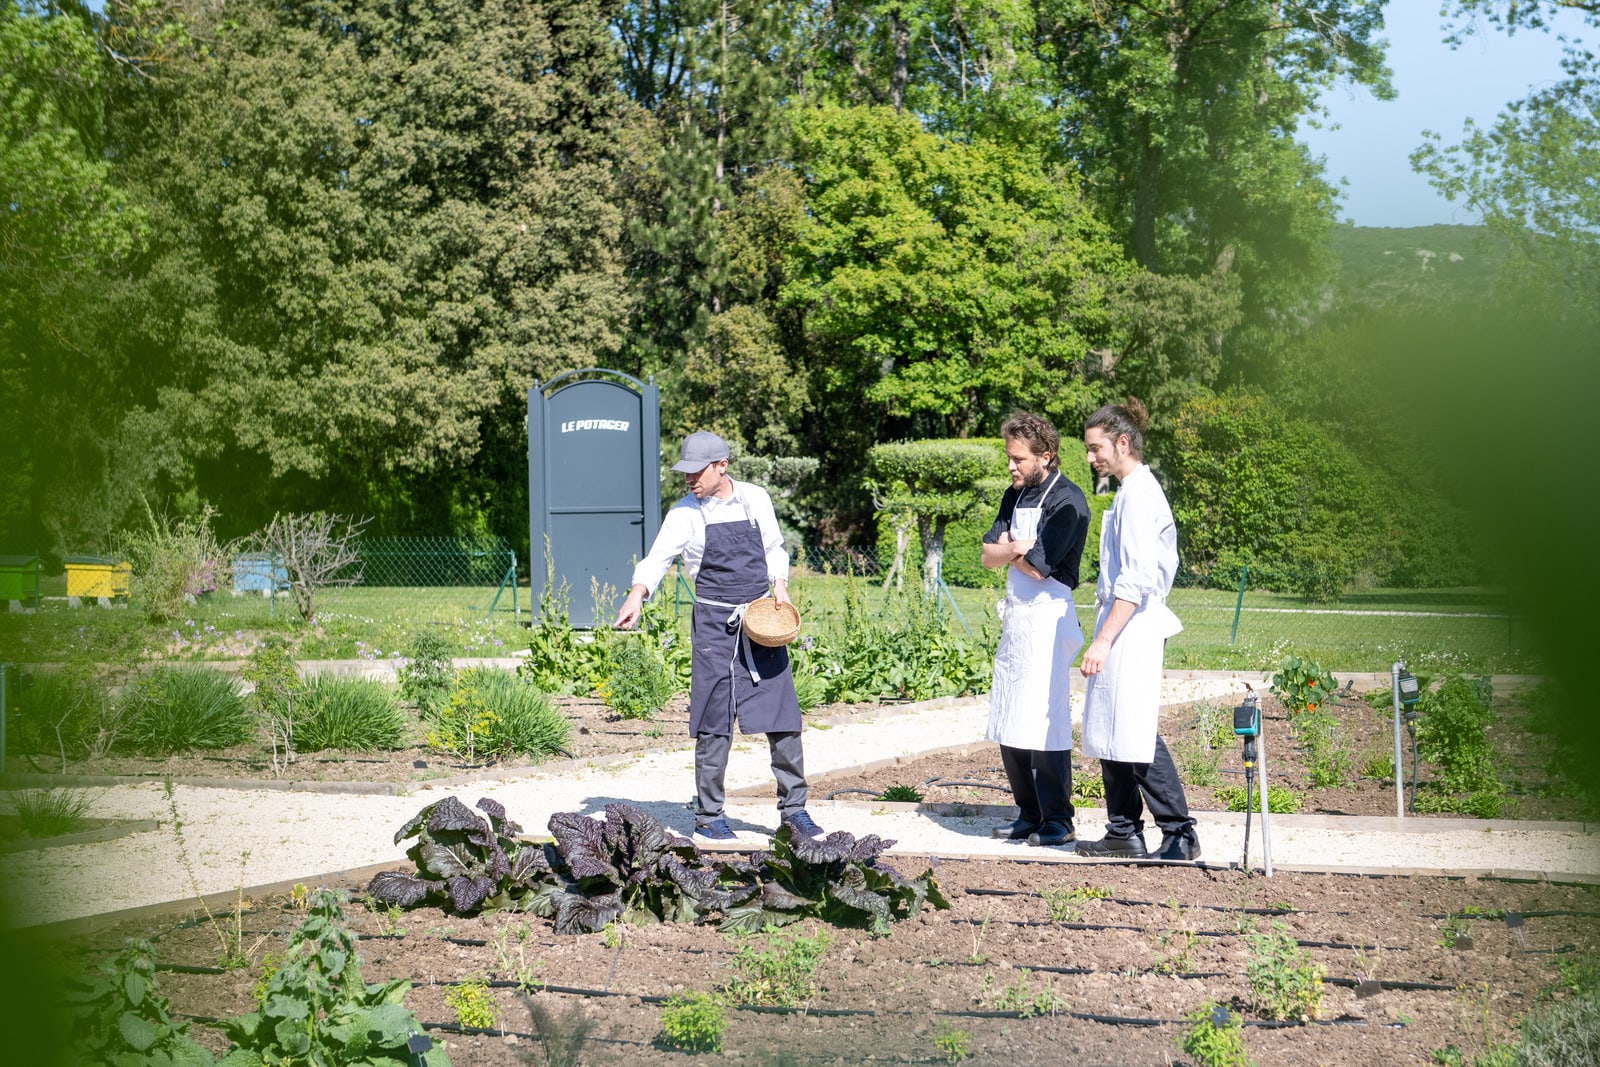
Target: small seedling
{"x":511,"y":960}
{"x":614,"y":934}
{"x":1455,"y":931}
{"x":1022,"y":998}
{"x":693,"y":1022}
{"x":1067,"y":904}
{"x":953,"y":1044}
{"x":979,"y":932}
{"x":1179,"y":947}
{"x":473,"y":1004}
{"x":902,"y":794}
{"x":781,"y":972}
{"x":298,"y":897}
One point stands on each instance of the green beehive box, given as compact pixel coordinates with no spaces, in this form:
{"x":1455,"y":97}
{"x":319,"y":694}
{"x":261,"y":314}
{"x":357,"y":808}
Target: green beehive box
{"x":19,"y":579}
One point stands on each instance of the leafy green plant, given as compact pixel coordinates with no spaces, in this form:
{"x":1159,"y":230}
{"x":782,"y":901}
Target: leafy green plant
{"x":1067,"y":903}
{"x":639,"y":683}
{"x":355,"y":714}
{"x":1089,"y":786}
{"x":317,"y":1009}
{"x":1328,"y":757}
{"x":780,"y":970}
{"x":64,"y":713}
{"x":1214,"y":725}
{"x":50,"y":812}
{"x":1020,"y":996}
{"x":1281,"y":800}
{"x":1302,"y":684}
{"x":1199,"y":763}
{"x":494,"y":713}
{"x":559,"y":659}
{"x":1561,"y":1034}
{"x":953,"y":1044}
{"x":175,"y":559}
{"x":1451,"y":735}
{"x":473,"y":1004}
{"x":1285,"y":984}
{"x":694,"y":1022}
{"x":272,"y":671}
{"x":902,"y":794}
{"x":179,"y":709}
{"x":1214,"y":1038}
{"x":120,"y":1017}
{"x":839,"y":879}
{"x":1379,"y":765}
{"x":427,"y":673}
{"x":1178,"y":951}
{"x":1455,"y":929}
{"x":465,"y":863}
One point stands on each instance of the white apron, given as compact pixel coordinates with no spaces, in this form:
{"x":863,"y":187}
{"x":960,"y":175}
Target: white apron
{"x":1122,"y":704}
{"x":1030,"y":698}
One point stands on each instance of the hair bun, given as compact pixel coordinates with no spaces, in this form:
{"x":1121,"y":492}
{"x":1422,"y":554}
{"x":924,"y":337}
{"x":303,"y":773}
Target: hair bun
{"x":1137,"y":413}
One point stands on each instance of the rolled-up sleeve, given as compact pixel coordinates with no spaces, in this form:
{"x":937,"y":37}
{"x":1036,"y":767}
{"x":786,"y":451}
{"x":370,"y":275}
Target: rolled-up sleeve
{"x":681,"y":526}
{"x":1139,"y":549}
{"x":771,"y":537}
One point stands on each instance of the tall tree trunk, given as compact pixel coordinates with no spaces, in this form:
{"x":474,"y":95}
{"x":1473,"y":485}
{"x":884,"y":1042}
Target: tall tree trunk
{"x":1146,"y":197}
{"x":901,"y":74}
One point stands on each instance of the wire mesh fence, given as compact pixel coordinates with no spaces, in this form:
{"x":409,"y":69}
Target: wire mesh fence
{"x":1242,"y":627}
{"x":431,"y":580}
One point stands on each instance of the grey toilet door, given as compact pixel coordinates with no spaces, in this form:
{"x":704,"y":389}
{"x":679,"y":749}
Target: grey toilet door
{"x":594,"y":483}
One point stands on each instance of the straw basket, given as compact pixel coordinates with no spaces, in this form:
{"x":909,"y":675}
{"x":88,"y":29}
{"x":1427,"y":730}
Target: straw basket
{"x":767,"y":622}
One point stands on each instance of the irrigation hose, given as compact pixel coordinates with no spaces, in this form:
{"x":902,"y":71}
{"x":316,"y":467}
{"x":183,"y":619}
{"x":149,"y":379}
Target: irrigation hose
{"x":1249,"y":802}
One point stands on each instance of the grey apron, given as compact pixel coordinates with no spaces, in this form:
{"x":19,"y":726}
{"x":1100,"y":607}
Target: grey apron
{"x":735,"y":679}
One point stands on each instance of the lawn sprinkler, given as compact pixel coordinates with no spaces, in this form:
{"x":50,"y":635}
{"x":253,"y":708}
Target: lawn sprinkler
{"x":1407,"y":693}
{"x":1247,"y":725}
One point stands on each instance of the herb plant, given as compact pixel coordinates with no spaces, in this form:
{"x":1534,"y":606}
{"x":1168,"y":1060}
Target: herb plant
{"x":473,"y":1004}
{"x":1302,"y":684}
{"x":120,"y":1017}
{"x":1281,"y":800}
{"x":639,"y":683}
{"x":693,"y":1022}
{"x":428,"y":672}
{"x":782,"y":971}
{"x":953,"y":1045}
{"x":1285,"y":984}
{"x":317,"y":1009}
{"x":1214,"y":1038}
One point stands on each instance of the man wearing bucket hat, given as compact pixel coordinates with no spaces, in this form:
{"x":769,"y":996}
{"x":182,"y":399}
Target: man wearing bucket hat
{"x":727,"y":535}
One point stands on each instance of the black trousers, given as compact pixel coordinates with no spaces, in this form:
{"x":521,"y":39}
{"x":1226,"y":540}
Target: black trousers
{"x":1161,"y":789}
{"x":1041,"y":783}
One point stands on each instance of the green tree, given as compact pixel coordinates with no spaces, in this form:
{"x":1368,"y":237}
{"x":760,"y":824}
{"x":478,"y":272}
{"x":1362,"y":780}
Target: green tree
{"x":1533,"y":175}
{"x":936,"y":482}
{"x":67,"y":221}
{"x":1181,"y":115}
{"x":375,"y":227}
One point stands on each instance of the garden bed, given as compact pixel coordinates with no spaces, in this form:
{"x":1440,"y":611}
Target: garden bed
{"x":1113,"y":977}
{"x":1538,"y":790}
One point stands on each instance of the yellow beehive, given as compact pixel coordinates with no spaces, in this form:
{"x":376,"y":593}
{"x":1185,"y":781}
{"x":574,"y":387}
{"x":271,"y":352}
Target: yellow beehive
{"x":97,"y":576}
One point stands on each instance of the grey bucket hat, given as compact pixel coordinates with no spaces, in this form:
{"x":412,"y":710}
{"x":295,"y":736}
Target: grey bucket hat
{"x":700,"y":450}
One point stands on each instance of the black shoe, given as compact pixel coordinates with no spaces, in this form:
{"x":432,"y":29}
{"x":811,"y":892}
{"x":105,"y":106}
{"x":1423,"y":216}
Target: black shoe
{"x":1053,"y":833}
{"x":1185,"y":848}
{"x":1127,"y":848}
{"x":1014,"y":831}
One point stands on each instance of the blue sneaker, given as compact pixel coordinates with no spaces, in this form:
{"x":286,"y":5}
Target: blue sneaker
{"x":803,"y":824}
{"x":716,"y":830}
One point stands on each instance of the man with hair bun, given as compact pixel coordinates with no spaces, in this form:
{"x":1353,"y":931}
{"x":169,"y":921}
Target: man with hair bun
{"x":1122,"y":666}
{"x":1038,"y":537}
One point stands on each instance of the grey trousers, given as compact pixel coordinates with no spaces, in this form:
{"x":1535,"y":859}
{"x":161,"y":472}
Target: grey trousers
{"x":711,"y":770}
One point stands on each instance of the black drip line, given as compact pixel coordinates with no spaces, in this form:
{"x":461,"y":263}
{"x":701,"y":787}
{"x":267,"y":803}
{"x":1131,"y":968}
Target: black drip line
{"x":873,"y":1013}
{"x":1163,"y":904}
{"x":1399,"y":985}
{"x":1142,"y":930}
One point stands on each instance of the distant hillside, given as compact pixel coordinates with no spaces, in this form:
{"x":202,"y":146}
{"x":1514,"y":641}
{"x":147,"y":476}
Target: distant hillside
{"x":1422,"y":264}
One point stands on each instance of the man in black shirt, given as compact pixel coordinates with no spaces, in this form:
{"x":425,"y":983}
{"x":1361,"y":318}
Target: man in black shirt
{"x":1038,"y":537}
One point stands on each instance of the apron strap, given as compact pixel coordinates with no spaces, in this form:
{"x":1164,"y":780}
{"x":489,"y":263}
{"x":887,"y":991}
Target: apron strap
{"x":741,"y":648}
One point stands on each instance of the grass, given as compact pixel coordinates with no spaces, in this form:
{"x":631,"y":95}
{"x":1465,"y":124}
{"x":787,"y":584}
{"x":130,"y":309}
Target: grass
{"x":356,"y":714}
{"x":178,"y":709}
{"x":50,"y":812}
{"x":378,"y":622}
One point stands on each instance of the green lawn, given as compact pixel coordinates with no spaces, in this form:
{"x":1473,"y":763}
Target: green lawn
{"x":1435,"y":629}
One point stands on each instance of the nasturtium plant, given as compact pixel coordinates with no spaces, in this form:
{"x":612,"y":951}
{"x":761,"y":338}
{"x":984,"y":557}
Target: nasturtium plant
{"x":1302,"y":684}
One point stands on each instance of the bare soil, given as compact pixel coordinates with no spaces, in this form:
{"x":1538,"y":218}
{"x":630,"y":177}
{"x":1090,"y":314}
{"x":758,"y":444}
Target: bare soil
{"x":1538,"y":790}
{"x":1121,"y":972}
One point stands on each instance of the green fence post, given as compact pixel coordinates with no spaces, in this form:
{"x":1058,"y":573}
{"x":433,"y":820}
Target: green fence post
{"x":1238,"y":605}
{"x":516,"y":612}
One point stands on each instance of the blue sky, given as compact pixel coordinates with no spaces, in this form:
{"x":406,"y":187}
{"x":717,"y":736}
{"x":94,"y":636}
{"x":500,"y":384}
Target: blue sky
{"x":1438,"y":90}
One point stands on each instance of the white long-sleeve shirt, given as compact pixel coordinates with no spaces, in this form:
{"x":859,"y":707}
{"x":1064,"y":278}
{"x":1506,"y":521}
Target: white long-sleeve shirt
{"x":683,"y":533}
{"x":1138,"y":543}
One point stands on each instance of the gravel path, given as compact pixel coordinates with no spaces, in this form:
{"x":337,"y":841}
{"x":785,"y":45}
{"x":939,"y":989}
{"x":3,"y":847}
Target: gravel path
{"x":246,"y":837}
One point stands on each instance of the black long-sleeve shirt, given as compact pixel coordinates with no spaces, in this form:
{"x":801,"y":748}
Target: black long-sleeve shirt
{"x":1058,"y":549}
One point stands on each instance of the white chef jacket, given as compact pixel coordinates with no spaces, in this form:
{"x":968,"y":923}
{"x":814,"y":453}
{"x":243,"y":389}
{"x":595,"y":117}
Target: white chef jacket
{"x":1138,"y":561}
{"x":683,"y":533}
